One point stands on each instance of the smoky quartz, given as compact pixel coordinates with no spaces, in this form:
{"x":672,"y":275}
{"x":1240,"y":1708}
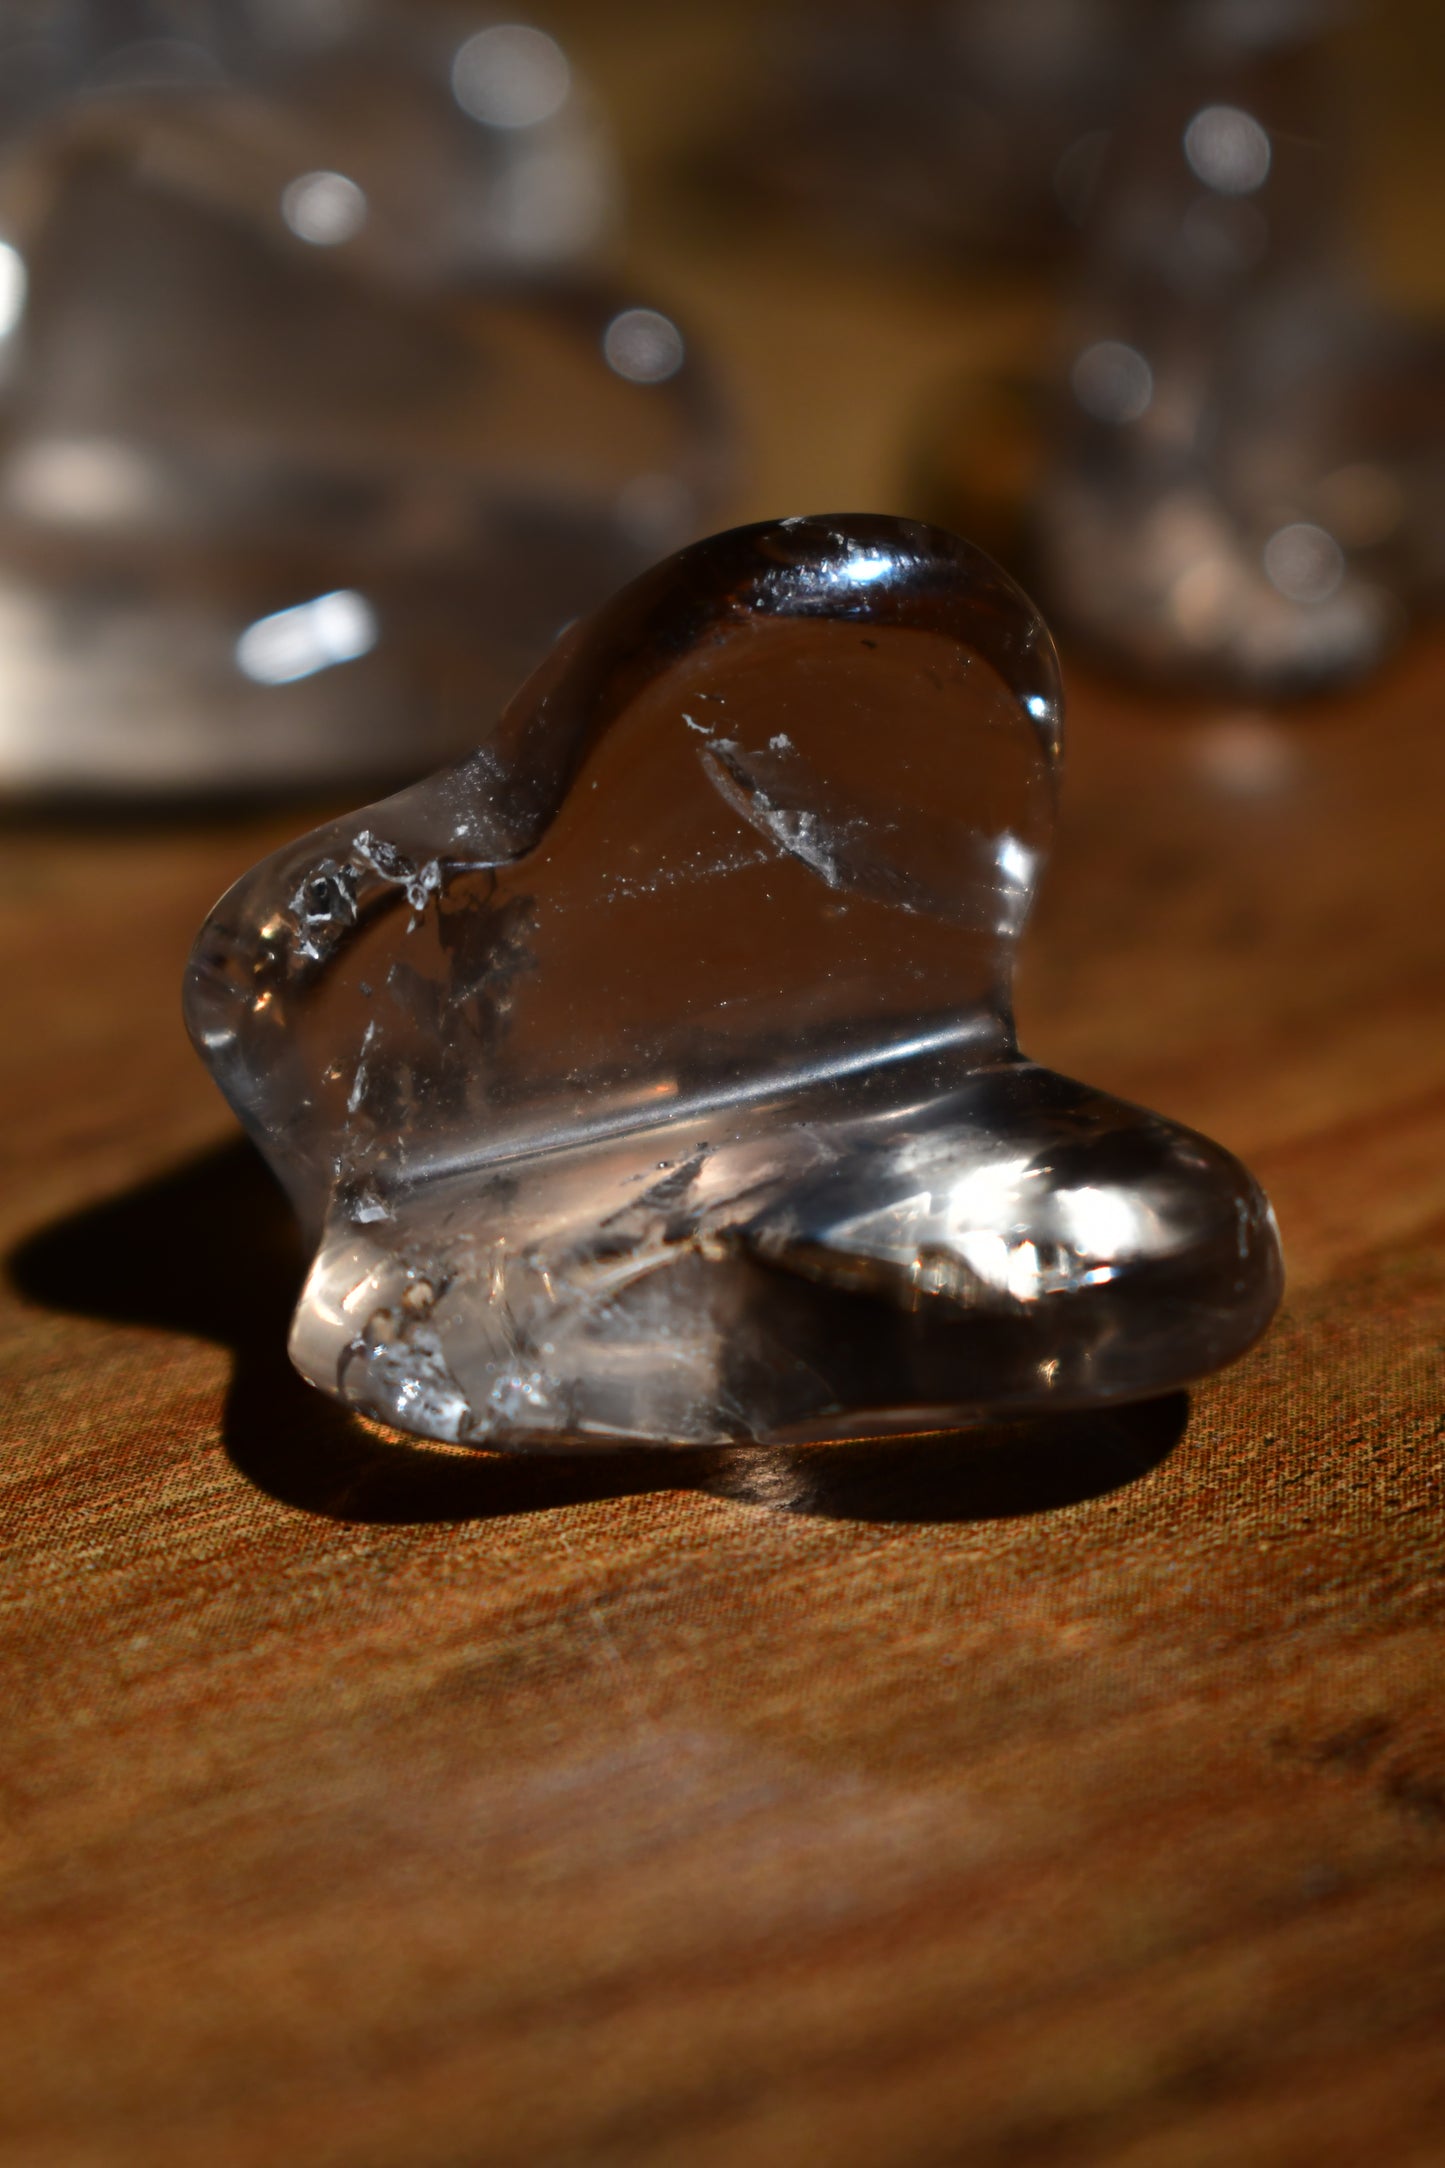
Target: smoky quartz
{"x":650,"y":1074}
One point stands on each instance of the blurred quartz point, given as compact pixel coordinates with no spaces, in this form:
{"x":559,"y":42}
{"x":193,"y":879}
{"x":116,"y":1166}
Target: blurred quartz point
{"x":1243,"y":484}
{"x":310,"y":439}
{"x":970,"y":125}
{"x":650,"y":1075}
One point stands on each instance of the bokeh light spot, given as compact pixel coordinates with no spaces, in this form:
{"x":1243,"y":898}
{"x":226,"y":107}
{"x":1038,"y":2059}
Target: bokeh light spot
{"x":312,"y":636}
{"x":1304,"y":562}
{"x":1228,"y":150}
{"x":323,"y":208}
{"x":511,"y":76}
{"x":1112,"y":381}
{"x":643,"y":345}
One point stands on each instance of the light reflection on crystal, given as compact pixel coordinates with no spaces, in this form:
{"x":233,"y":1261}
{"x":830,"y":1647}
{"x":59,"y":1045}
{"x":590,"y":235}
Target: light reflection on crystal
{"x":651,"y":1073}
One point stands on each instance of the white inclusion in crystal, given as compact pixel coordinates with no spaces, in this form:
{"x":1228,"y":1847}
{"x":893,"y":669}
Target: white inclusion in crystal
{"x":801,"y":833}
{"x":296,"y":643}
{"x":421,"y":883}
{"x":695,"y":868}
{"x":782,"y":743}
{"x":803,"y":836}
{"x":424,"y":885}
{"x":417,"y":1382}
{"x":1037,"y":706}
{"x":516,"y":1395}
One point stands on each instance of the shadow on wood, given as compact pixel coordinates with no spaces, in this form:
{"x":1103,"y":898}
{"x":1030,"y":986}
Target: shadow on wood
{"x":210,"y":1250}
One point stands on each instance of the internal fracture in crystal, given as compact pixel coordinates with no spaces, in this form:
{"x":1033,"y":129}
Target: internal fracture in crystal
{"x":650,"y":1074}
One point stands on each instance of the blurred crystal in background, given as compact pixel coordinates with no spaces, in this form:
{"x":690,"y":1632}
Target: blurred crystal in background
{"x":1234,"y":474}
{"x":315,"y":427}
{"x":965,"y":125}
{"x":1235,"y":482}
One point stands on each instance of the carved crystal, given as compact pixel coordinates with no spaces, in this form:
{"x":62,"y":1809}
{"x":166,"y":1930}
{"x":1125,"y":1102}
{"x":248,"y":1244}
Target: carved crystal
{"x":650,"y":1074}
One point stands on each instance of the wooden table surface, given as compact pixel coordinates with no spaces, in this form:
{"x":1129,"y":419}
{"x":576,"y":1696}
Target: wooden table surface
{"x":1056,"y":1798}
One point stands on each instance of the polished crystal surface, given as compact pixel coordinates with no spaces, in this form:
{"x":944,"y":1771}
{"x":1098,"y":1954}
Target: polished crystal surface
{"x":650,"y":1074}
{"x":312,"y":437}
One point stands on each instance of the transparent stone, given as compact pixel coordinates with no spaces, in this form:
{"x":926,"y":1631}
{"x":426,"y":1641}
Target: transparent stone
{"x":650,"y":1074}
{"x":1246,"y":470}
{"x":309,"y":441}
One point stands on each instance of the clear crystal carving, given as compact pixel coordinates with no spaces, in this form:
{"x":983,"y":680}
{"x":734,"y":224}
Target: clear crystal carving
{"x":310,"y":442}
{"x":650,"y":1074}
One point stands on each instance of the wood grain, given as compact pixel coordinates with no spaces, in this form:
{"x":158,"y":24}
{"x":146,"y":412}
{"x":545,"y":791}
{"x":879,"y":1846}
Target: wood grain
{"x":1061,"y":1797}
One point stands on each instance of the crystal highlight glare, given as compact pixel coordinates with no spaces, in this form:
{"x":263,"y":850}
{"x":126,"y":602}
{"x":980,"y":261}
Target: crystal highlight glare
{"x":650,"y":1074}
